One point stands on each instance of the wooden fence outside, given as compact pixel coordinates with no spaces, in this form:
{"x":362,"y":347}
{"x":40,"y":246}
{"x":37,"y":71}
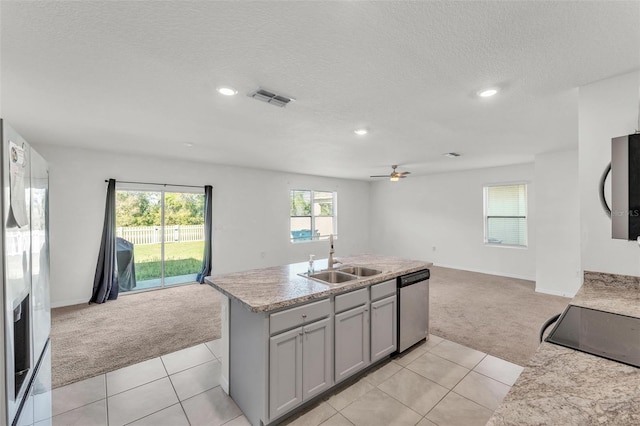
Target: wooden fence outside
{"x":153,"y":234}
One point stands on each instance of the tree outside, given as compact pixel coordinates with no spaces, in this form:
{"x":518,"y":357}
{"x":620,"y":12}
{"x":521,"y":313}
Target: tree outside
{"x":301,"y":203}
{"x":141,"y":208}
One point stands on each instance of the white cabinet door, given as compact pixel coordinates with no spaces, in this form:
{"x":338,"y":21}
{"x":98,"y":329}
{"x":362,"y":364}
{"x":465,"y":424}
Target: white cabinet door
{"x":351,"y":342}
{"x":317,"y":356}
{"x":285,"y":371}
{"x":383,"y":327}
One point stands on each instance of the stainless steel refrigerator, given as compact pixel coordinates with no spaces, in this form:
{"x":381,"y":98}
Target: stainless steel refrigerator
{"x":25,"y":397}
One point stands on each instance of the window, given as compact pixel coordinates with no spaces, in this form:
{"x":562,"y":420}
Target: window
{"x":313,"y":215}
{"x":505,"y":214}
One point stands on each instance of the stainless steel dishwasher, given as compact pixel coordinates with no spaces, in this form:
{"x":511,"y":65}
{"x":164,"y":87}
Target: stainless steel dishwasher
{"x":413,"y":308}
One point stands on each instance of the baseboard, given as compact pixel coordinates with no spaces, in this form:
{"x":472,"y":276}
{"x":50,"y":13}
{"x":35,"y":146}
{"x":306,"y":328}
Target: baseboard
{"x":482,"y":271}
{"x":68,"y":303}
{"x":556,"y":292}
{"x":224,"y":384}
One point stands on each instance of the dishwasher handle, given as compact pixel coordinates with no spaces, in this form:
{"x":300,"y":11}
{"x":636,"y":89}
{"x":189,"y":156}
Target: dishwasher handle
{"x":413,"y":278}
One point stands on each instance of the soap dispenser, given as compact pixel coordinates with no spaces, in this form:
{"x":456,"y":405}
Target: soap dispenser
{"x":310,"y":270}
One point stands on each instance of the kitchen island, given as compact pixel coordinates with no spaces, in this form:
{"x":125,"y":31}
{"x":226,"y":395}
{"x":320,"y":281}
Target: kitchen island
{"x":289,"y":339}
{"x":567,"y":387}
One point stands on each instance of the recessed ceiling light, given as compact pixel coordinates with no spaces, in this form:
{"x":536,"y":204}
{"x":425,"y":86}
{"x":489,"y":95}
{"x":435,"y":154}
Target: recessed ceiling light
{"x":451,"y":154}
{"x":188,"y":144}
{"x":361,"y":132}
{"x":227,"y":91}
{"x":487,"y":93}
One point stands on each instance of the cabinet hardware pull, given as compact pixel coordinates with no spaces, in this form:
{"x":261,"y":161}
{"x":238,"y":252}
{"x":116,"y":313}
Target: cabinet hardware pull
{"x":304,"y":315}
{"x":375,"y":307}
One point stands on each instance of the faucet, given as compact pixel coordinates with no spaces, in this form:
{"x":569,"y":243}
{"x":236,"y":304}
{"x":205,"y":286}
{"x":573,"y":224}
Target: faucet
{"x":331,"y":260}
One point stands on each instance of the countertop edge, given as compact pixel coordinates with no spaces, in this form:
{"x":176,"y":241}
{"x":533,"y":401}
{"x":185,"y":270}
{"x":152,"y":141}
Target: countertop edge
{"x":327,"y":291}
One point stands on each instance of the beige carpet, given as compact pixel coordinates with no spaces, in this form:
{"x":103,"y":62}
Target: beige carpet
{"x":87,"y":340}
{"x":496,"y":315}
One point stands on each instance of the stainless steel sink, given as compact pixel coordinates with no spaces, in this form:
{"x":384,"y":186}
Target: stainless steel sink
{"x":333,"y":277}
{"x":359,"y":271}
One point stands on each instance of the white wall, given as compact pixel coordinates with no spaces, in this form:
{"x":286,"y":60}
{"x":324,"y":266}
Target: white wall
{"x":251,"y":213}
{"x":608,"y":108}
{"x":411,"y":217}
{"x":557,"y":223}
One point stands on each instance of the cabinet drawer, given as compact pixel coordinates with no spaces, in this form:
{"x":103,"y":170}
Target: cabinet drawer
{"x":387,"y":288}
{"x":294,"y":317}
{"x":351,"y":300}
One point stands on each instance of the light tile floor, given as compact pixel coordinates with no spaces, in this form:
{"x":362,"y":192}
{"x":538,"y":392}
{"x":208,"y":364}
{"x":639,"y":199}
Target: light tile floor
{"x":436,"y":383}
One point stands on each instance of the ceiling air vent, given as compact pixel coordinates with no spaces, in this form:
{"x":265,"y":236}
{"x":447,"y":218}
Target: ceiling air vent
{"x":271,"y":98}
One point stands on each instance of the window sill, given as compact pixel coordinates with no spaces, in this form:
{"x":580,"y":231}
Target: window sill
{"x":511,"y":246}
{"x":319,"y":240}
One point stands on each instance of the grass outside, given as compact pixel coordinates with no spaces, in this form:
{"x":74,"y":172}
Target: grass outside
{"x":180,"y":259}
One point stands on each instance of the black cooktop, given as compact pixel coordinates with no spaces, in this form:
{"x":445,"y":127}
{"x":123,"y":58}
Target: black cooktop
{"x":604,"y":334}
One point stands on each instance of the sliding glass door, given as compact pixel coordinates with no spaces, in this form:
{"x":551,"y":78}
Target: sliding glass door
{"x":184,"y":236}
{"x":160,"y":237}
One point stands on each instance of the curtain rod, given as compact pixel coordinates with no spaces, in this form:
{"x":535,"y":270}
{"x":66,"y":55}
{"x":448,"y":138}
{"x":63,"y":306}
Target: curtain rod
{"x":159,"y":184}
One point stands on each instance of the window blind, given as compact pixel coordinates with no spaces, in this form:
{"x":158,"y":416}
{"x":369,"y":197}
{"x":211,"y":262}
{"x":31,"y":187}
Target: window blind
{"x":506,"y":214}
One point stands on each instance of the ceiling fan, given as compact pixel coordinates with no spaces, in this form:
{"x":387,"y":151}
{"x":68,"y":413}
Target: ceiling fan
{"x":395,"y":175}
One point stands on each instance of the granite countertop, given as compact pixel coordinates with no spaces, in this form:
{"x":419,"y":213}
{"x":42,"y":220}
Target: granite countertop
{"x":269,"y":289}
{"x":608,"y":292}
{"x":568,"y":387}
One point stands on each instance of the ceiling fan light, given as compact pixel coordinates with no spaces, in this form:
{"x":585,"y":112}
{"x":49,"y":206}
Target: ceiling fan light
{"x":394,"y":178}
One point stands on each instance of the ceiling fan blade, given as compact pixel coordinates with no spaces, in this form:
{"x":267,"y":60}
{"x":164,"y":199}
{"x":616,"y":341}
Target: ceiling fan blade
{"x":394,"y":175}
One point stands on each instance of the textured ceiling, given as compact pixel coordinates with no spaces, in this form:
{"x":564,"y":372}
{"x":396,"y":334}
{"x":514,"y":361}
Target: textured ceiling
{"x":140,"y":77}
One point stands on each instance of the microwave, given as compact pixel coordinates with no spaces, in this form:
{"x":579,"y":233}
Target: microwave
{"x":625,"y":187}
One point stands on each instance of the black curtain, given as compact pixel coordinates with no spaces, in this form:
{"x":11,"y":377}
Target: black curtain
{"x":105,"y":283}
{"x":208,"y":213}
